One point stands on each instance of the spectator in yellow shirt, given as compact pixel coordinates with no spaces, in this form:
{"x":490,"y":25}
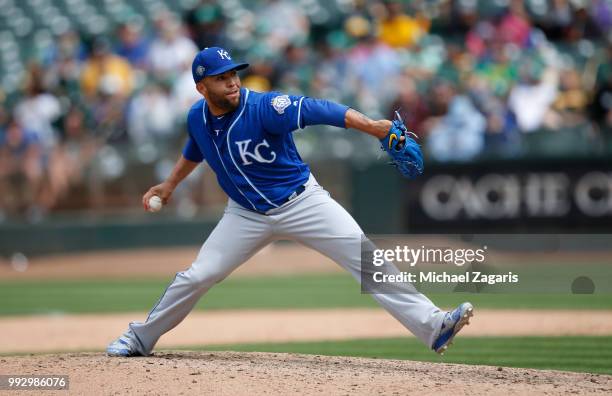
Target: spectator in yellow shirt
{"x":399,"y":30}
{"x":106,"y":73}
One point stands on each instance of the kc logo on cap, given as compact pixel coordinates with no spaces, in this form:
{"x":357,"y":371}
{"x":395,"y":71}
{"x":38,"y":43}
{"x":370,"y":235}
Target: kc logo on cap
{"x":223,"y":54}
{"x":213,"y":61}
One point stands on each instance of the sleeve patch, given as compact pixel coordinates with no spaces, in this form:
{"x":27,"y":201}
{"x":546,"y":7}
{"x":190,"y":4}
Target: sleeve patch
{"x":280,"y":103}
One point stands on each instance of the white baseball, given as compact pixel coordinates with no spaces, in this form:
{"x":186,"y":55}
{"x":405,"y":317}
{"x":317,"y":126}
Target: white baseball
{"x":155,"y":203}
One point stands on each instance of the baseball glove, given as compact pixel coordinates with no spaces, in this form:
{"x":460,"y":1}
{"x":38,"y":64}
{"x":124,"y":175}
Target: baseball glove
{"x":405,"y":155}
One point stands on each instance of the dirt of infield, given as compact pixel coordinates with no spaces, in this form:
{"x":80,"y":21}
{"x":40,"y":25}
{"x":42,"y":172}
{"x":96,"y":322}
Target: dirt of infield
{"x":276,"y":259}
{"x":233,"y":373}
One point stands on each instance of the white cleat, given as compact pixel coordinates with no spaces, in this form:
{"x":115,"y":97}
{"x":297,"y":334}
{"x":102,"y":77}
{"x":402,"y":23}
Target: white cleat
{"x":452,"y":324}
{"x":122,"y":347}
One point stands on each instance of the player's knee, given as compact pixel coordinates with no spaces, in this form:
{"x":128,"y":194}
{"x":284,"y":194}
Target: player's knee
{"x":205,"y":277}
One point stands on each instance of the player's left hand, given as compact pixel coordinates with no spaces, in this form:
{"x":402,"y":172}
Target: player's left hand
{"x":404,"y":150}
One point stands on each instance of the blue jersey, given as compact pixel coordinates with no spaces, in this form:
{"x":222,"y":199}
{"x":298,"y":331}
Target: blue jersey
{"x":252,"y":150}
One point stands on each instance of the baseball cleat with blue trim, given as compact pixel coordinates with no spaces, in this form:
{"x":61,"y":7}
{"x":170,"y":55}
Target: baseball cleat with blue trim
{"x":452,"y":324}
{"x":122,"y":347}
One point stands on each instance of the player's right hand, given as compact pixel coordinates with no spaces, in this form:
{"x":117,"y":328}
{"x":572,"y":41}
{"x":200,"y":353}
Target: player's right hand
{"x":163,"y":190}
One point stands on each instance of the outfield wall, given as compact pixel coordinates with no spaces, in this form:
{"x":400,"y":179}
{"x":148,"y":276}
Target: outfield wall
{"x":498,"y":196}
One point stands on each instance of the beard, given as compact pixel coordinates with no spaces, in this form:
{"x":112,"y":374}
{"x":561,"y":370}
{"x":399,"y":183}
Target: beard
{"x":223,"y":102}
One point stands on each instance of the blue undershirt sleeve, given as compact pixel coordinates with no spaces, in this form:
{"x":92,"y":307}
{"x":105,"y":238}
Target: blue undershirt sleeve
{"x":322,"y":112}
{"x":192,"y":152}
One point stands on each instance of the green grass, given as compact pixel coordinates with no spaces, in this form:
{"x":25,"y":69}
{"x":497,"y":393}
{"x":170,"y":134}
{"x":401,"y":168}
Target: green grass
{"x":583,"y":354}
{"x":305,"y":291}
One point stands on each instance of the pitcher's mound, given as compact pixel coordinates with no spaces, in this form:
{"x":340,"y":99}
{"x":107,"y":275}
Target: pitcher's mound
{"x":234,"y":373}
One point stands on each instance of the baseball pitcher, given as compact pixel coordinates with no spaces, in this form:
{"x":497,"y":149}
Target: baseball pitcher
{"x":245,"y":137}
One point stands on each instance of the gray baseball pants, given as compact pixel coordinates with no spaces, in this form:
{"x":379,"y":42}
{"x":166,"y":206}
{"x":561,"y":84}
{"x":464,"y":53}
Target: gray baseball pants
{"x":313,"y":219}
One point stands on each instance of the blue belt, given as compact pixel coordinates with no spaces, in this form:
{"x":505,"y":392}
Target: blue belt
{"x":291,"y":197}
{"x":295,"y":194}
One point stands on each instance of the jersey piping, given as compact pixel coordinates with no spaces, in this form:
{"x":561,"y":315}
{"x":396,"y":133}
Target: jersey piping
{"x":221,"y":158}
{"x":229,"y":131}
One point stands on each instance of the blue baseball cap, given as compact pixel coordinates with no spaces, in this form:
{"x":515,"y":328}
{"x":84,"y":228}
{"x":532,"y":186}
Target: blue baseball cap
{"x":212,"y":61}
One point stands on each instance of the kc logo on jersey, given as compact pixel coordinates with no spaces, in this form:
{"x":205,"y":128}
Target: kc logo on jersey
{"x":245,"y":154}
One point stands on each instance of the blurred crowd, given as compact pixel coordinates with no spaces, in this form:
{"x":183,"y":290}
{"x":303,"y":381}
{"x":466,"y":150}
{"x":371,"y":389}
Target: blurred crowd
{"x":500,"y":78}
